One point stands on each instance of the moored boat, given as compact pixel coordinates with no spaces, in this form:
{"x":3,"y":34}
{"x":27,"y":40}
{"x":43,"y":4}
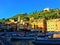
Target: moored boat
{"x":44,"y":39}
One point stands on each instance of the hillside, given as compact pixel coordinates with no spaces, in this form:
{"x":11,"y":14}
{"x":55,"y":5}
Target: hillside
{"x":45,"y":13}
{"x":51,"y":14}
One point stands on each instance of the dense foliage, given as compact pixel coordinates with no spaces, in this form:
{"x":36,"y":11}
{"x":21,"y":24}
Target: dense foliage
{"x":52,"y":14}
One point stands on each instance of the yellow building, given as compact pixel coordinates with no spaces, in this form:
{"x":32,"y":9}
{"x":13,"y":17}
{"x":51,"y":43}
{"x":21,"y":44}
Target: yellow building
{"x":32,"y":18}
{"x":18,"y":19}
{"x":49,"y":25}
{"x":58,"y":25}
{"x":39,"y":24}
{"x":33,"y":23}
{"x":42,"y":24}
{"x":11,"y":20}
{"x":52,"y":25}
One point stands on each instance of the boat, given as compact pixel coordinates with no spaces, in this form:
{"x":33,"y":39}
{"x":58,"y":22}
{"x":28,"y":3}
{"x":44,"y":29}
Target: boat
{"x":23,"y":36}
{"x":47,"y":39}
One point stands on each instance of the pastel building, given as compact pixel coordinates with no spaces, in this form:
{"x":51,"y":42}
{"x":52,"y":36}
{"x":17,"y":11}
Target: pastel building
{"x":53,"y":25}
{"x":32,"y":25}
{"x":11,"y":20}
{"x":47,"y":9}
{"x":32,"y":18}
{"x":58,"y":25}
{"x":40,"y":24}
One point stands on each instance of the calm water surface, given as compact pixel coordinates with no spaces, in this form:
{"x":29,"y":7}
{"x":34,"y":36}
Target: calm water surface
{"x":16,"y":43}
{"x":21,"y":43}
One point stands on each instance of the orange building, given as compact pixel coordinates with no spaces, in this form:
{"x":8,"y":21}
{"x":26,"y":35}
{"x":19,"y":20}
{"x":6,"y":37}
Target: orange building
{"x":40,"y":24}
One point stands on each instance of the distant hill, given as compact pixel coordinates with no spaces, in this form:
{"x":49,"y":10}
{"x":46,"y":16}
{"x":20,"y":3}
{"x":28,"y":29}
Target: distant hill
{"x":46,"y":13}
{"x":51,"y":14}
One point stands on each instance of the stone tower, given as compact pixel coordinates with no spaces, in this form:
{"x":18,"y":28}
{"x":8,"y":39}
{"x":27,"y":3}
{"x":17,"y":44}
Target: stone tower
{"x":18,"y":18}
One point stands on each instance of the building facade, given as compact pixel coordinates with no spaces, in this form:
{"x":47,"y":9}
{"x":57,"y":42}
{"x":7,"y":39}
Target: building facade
{"x":53,"y":25}
{"x":40,"y":24}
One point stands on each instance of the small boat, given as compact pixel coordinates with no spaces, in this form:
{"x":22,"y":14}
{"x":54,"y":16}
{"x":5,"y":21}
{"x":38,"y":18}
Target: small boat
{"x":44,"y":39}
{"x":23,"y":36}
{"x":47,"y":41}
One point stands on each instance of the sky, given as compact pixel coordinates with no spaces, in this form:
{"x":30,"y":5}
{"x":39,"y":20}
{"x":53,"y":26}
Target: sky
{"x":9,"y":8}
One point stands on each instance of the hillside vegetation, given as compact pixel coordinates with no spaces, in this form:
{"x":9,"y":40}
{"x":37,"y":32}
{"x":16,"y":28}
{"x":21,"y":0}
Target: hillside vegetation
{"x":51,"y":14}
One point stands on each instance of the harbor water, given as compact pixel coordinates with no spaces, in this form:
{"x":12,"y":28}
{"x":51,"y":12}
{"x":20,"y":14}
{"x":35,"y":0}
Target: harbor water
{"x":21,"y":43}
{"x":16,"y":42}
{"x":4,"y":41}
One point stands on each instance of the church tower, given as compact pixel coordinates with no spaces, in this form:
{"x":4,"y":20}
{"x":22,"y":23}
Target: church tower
{"x":18,"y":19}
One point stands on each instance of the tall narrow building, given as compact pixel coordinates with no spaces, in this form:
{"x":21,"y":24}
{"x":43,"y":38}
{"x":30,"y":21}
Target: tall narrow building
{"x":18,"y":18}
{"x":18,"y":23}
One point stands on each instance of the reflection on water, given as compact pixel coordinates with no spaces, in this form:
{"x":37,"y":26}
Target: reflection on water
{"x":3,"y":41}
{"x":21,"y":43}
{"x":24,"y":42}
